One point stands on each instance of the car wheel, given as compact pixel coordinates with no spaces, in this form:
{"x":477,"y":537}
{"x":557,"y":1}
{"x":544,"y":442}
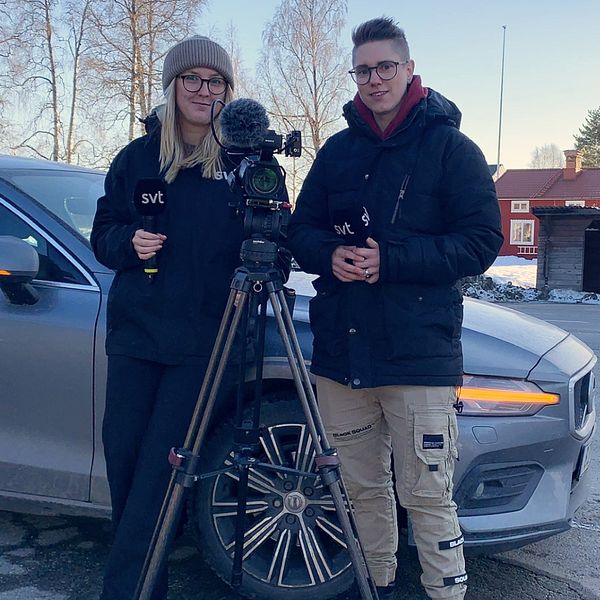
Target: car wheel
{"x":294,"y":546}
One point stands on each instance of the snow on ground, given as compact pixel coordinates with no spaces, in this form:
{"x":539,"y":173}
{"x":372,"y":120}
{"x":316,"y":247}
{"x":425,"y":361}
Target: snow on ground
{"x":513,"y":279}
{"x":519,"y":271}
{"x":509,"y":279}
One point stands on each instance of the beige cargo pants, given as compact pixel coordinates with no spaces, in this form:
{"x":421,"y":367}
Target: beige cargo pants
{"x":419,"y":424}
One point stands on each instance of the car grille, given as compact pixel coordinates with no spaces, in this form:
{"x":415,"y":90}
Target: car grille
{"x":583,"y":398}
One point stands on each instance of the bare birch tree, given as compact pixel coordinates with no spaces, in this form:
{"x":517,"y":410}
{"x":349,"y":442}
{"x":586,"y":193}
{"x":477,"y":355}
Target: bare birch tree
{"x":33,"y":46}
{"x":133,"y":37}
{"x":302,"y":75}
{"x":302,"y":69}
{"x":244,"y":86}
{"x":7,"y":37}
{"x":79,"y":14}
{"x":547,"y":156}
{"x":32,"y":71}
{"x":10,"y":29}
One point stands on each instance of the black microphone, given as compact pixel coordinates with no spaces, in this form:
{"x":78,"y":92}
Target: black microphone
{"x":150,"y":199}
{"x":352,"y":224}
{"x":244,"y":124}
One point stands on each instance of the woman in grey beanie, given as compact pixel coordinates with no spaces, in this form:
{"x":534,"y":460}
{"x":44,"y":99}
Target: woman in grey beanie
{"x":196,"y":72}
{"x":161,"y":327}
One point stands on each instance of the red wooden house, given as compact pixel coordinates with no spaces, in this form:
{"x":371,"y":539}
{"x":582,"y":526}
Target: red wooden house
{"x":521,"y":190}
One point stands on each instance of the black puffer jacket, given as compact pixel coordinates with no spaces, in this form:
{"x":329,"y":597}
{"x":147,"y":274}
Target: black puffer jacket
{"x":175,"y":319}
{"x":434,"y":212}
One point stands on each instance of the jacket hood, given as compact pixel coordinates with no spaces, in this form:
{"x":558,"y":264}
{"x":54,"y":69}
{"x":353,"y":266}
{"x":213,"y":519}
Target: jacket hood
{"x":153,"y":120}
{"x":439,"y":108}
{"x":434,"y":107}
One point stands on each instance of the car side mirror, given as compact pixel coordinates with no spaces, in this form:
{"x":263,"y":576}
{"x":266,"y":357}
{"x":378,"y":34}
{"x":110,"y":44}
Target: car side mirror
{"x":19,"y":264}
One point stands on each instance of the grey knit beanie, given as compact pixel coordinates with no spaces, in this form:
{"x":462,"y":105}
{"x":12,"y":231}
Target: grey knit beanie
{"x":196,"y":51}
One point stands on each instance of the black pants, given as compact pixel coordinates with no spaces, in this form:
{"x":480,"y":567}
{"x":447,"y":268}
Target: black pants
{"x":148,"y":410}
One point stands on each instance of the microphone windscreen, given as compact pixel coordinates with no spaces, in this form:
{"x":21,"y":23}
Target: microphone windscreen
{"x":150,"y":196}
{"x":352,"y":224}
{"x":244,"y":123}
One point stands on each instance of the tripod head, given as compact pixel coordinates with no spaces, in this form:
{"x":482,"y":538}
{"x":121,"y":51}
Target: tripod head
{"x":258,"y":251}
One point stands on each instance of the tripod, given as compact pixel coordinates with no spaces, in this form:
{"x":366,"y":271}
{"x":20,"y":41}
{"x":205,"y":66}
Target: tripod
{"x":253,"y":286}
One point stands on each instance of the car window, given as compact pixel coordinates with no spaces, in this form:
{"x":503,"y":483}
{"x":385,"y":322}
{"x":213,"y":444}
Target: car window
{"x":53,"y":265}
{"x":70,"y":195}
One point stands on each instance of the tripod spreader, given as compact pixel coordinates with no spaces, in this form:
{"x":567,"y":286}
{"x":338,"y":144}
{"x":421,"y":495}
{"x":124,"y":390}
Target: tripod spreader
{"x":328,"y":465}
{"x":185,"y":466}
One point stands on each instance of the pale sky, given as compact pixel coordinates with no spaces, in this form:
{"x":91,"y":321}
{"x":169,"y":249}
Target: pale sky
{"x":552,"y":61}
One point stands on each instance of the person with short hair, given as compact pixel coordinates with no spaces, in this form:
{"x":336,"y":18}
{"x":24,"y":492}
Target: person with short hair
{"x":395,"y":210}
{"x":160,"y":335}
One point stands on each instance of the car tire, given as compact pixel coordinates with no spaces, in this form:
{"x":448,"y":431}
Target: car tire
{"x":296,"y":550}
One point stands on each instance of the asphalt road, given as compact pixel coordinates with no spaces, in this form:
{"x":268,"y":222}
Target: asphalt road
{"x":56,"y":558}
{"x":62,"y":558}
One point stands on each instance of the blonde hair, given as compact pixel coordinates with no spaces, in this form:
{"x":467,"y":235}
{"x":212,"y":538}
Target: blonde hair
{"x":173,"y":155}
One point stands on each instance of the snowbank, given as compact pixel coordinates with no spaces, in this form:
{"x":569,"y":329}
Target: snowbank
{"x":509,"y":279}
{"x":512,"y":279}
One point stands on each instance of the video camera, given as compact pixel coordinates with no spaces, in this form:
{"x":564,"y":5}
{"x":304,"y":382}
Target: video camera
{"x":258,"y":176}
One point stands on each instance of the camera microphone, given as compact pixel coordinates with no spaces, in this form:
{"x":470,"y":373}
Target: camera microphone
{"x":150,"y":199}
{"x":352,"y":224}
{"x":244,"y":124}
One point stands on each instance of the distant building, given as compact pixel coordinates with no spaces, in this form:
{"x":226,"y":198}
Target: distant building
{"x":569,"y":248}
{"x":521,"y":190}
{"x":496,"y":171}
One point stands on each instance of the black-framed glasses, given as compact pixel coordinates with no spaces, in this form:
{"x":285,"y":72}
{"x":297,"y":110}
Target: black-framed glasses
{"x":386,"y":70}
{"x":194,"y":83}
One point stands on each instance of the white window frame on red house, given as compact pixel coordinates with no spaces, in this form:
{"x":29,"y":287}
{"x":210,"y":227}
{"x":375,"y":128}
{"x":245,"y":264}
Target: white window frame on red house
{"x":574,"y":202}
{"x":519,"y":206}
{"x":521,"y":222}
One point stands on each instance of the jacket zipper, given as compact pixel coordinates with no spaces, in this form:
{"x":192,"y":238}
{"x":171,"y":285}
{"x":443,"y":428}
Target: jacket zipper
{"x":397,"y":208}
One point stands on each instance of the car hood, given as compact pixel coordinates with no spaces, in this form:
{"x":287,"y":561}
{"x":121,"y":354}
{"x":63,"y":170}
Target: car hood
{"x":497,"y":341}
{"x":504,"y":342}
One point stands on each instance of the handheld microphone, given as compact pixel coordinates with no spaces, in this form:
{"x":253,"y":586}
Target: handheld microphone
{"x":244,"y":124}
{"x":150,"y":199}
{"x":352,"y":224}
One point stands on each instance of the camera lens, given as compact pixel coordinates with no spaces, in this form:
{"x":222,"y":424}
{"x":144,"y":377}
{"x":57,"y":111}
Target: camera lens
{"x":264,"y":180}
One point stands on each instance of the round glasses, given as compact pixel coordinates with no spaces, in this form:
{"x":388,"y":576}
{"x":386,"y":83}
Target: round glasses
{"x":385,"y":70}
{"x":194,"y":83}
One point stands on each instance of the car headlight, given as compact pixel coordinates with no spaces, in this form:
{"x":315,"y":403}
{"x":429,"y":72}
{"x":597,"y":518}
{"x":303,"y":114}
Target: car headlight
{"x":496,"y":396}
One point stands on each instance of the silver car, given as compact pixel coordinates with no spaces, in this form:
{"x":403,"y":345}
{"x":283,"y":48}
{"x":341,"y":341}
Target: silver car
{"x":525,"y":429}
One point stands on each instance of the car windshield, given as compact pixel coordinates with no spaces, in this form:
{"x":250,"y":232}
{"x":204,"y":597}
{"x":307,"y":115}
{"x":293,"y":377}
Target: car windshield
{"x":70,"y":195}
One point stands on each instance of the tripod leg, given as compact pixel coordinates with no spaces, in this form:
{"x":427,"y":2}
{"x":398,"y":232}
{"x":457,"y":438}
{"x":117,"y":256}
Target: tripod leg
{"x":226,"y":325}
{"x":331,"y":476}
{"x":173,"y":500}
{"x":247,"y":438}
{"x":309,"y":399}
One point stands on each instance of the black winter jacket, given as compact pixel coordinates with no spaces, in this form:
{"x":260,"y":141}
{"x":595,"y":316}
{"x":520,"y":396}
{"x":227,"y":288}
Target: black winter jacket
{"x":434,"y":212}
{"x":175,"y":319}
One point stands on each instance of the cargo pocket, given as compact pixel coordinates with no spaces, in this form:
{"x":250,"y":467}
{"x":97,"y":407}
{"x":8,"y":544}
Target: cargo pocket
{"x":435,"y":450}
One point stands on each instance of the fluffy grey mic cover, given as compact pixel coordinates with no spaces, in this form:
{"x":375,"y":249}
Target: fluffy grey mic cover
{"x":244,"y":123}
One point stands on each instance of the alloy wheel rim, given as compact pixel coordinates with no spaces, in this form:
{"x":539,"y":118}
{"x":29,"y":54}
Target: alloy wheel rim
{"x":293,"y":537}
